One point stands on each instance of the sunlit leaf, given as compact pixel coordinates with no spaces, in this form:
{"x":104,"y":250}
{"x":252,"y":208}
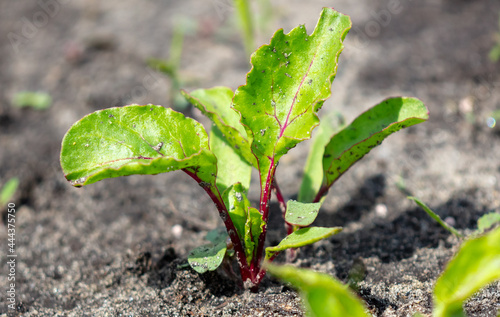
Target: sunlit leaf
{"x":323,"y":296}
{"x":301,"y":214}
{"x":288,"y":83}
{"x":215,"y":103}
{"x":136,"y":140}
{"x":476,"y":265}
{"x":231,"y":167}
{"x":302,"y":237}
{"x":367,"y":131}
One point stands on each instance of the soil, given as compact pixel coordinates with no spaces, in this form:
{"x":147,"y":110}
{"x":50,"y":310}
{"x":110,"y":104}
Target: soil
{"x":114,"y":248}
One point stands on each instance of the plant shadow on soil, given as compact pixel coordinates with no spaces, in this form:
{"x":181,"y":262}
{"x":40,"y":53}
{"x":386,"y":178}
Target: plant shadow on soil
{"x":389,"y":241}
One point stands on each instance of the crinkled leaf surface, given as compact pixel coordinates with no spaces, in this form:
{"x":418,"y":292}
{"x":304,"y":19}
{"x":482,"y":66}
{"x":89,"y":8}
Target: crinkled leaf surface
{"x":231,"y":167}
{"x":367,"y":131}
{"x":289,"y":81}
{"x":136,"y":140}
{"x":215,"y":103}
{"x":436,"y":217}
{"x":322,"y":295}
{"x":487,"y":221}
{"x":301,"y":214}
{"x":302,"y":237}
{"x":209,"y":257}
{"x":476,"y":265}
{"x":313,"y":170}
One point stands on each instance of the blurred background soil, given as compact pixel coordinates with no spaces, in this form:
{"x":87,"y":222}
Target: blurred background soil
{"x":115,"y":248}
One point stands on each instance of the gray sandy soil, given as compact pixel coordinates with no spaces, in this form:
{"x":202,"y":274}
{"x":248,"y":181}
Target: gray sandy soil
{"x":109,"y":249}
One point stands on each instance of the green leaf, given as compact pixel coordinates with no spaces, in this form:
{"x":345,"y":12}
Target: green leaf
{"x":253,"y":229}
{"x":215,"y":103}
{"x":288,"y":83}
{"x":434,"y":216}
{"x":301,"y":214}
{"x":37,"y":100}
{"x":136,"y":140}
{"x":476,"y":265}
{"x":237,"y":205}
{"x":247,"y":221}
{"x":231,"y":167}
{"x":323,"y":296}
{"x":313,"y":170}
{"x":487,"y":221}
{"x":209,"y":257}
{"x":302,"y":237}
{"x":367,"y":131}
{"x":8,"y":190}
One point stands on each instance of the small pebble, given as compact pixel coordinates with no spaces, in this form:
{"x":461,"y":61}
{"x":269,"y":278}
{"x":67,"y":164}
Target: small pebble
{"x":177,"y":231}
{"x":381,"y":210}
{"x":450,"y":221}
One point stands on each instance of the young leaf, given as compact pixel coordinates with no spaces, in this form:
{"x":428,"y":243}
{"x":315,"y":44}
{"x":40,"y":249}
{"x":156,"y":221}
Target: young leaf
{"x":323,"y":296}
{"x":434,"y":216}
{"x":366,"y":132}
{"x":231,"y":167}
{"x":209,"y":257}
{"x":476,"y":265}
{"x":487,"y":221}
{"x":313,"y":171}
{"x":302,"y":237}
{"x":301,"y":214}
{"x":253,"y":229}
{"x":247,"y":220}
{"x":136,"y":140}
{"x":288,"y":83}
{"x":215,"y":103}
{"x":237,"y":205}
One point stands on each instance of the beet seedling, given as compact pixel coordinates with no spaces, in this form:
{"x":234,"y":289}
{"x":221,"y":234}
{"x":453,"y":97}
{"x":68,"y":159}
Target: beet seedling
{"x":253,"y":128}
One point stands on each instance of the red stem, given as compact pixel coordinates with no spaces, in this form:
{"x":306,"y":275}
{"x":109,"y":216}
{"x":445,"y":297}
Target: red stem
{"x":322,"y":192}
{"x":281,"y":200}
{"x":265,"y":196}
{"x":245,"y":271}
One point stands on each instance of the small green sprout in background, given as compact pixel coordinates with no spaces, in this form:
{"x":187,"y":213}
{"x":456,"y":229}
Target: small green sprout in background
{"x":36,"y":100}
{"x":170,"y":67}
{"x":476,"y":265}
{"x":494,"y":54}
{"x":246,"y":24}
{"x":250,"y":21}
{"x":8,"y":191}
{"x":434,"y":216}
{"x":484,"y":223}
{"x":253,"y":127}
